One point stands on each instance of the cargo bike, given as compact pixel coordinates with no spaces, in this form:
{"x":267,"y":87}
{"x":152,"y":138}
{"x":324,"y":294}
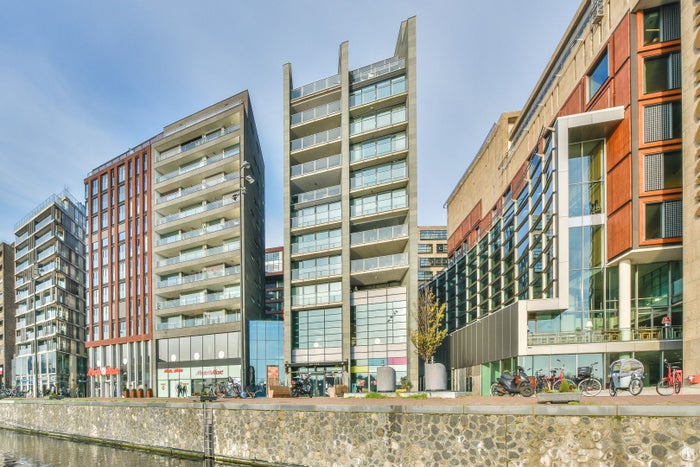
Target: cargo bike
{"x":626,"y":374}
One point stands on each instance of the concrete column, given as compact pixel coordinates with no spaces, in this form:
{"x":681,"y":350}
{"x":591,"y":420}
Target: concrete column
{"x":625,"y":300}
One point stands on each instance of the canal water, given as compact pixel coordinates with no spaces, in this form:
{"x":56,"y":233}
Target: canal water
{"x":23,"y":450}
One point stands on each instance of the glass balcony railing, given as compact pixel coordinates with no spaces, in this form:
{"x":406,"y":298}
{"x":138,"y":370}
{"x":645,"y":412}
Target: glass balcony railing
{"x":317,"y":218}
{"x":225,"y":154}
{"x":379,"y":175}
{"x":379,"y":235}
{"x":315,"y":139}
{"x":195,"y":188}
{"x":44,"y":238}
{"x":317,"y":165}
{"x":195,"y":211}
{"x":316,"y":195}
{"x":46,"y":253}
{"x":316,"y":86}
{"x":317,"y":272}
{"x":198,"y":142}
{"x":199,"y":299}
{"x":181,"y":280}
{"x":377,"y":69}
{"x":317,"y":245}
{"x":200,"y":254}
{"x":317,"y":112}
{"x":379,"y":262}
{"x":22,"y":252}
{"x":20,"y":238}
{"x":200,"y":321}
{"x":196,"y":233}
{"x":44,"y":222}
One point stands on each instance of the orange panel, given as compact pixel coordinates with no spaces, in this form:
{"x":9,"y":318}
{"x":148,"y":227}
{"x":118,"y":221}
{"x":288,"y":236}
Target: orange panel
{"x":621,"y":43}
{"x":574,"y":104}
{"x":619,"y":185}
{"x":622,"y":95}
{"x":619,"y":143}
{"x":619,"y":231}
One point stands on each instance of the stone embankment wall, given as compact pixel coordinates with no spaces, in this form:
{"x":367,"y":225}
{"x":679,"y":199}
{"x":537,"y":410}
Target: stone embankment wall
{"x":377,"y":434}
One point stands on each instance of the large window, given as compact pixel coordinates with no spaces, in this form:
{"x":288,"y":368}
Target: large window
{"x":317,"y":329}
{"x":662,"y":72}
{"x":663,"y":171}
{"x":662,"y":121}
{"x":663,"y":220}
{"x":598,"y":75}
{"x":426,"y":234}
{"x":586,"y":178}
{"x":662,"y":24}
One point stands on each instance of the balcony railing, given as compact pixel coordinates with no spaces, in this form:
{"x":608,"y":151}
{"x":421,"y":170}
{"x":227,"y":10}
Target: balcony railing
{"x":317,"y":245}
{"x":172,"y":281}
{"x":316,"y":86}
{"x":198,"y":142}
{"x":379,"y":262}
{"x":200,"y":254}
{"x":195,"y":188}
{"x":196,"y":233}
{"x":225,"y":154}
{"x":195,"y":211}
{"x":44,"y":238}
{"x":317,"y":165}
{"x":316,"y":195}
{"x":315,"y":139}
{"x":196,"y":300}
{"x":46,"y":253}
{"x":612,"y":335}
{"x":317,"y":112}
{"x":379,"y":235}
{"x":317,"y":272}
{"x":200,"y":321}
{"x":377,"y":69}
{"x":46,"y":221}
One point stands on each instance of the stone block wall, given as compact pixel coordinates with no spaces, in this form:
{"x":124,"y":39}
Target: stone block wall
{"x":415,"y":435}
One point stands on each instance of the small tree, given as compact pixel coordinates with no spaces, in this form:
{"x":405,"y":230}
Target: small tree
{"x":430,"y":331}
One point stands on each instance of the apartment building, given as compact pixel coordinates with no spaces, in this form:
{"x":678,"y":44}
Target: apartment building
{"x":49,"y":278}
{"x":208,"y":246}
{"x":573,"y":253}
{"x":119,"y":318}
{"x":350,"y":182}
{"x":7,"y":312}
{"x":432,"y":251}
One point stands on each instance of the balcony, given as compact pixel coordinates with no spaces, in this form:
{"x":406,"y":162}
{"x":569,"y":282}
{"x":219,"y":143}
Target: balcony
{"x":377,"y":69}
{"x":195,"y":211}
{"x":317,"y":195}
{"x":199,"y":164}
{"x":315,"y":87}
{"x":43,"y":239}
{"x":198,"y":142}
{"x":315,"y":139}
{"x":192,"y":278}
{"x":198,"y":300}
{"x":235,"y":246}
{"x":318,"y":245}
{"x":200,"y":321}
{"x":604,"y":336}
{"x":314,"y":166}
{"x":22,"y":252}
{"x":382,"y":234}
{"x":315,"y":113}
{"x":44,"y":222}
{"x":46,"y":253}
{"x":317,"y":272}
{"x":196,"y":233}
{"x":379,"y":262}
{"x":195,"y":188}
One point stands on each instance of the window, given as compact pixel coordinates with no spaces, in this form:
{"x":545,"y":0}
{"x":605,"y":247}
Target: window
{"x":433,"y":234}
{"x":425,"y":248}
{"x":662,"y":121}
{"x":662,"y":24}
{"x":441,"y":248}
{"x":663,"y":171}
{"x":662,"y":72}
{"x":598,"y":76}
{"x":663,"y":220}
{"x":121,"y":172}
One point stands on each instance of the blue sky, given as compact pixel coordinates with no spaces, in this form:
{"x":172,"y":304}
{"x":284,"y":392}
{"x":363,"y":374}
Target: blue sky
{"x":82,"y":81}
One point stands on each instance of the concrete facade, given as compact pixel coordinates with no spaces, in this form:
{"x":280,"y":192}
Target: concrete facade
{"x":350,"y":226}
{"x":7,"y":312}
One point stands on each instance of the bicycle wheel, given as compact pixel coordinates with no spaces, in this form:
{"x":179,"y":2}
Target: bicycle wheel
{"x":636,"y":386}
{"x":677,"y":386}
{"x":494,"y":390}
{"x":664,"y":388}
{"x":590,"y":387}
{"x":612,"y":389}
{"x":557,"y":384}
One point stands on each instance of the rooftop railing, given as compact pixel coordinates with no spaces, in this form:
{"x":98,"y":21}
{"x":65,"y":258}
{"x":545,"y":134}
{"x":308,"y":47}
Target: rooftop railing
{"x":377,"y":69}
{"x":316,"y":86}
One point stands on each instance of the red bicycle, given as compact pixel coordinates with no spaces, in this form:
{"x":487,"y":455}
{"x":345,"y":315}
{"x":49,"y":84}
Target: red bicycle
{"x":555,"y":381}
{"x":673,"y":381}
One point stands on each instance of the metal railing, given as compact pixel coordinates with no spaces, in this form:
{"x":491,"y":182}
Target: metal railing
{"x":199,"y":254}
{"x":379,"y":262}
{"x":200,"y":321}
{"x":195,"y":188}
{"x":196,"y":300}
{"x":317,"y":112}
{"x":225,"y":154}
{"x":202,"y":276}
{"x":379,"y":235}
{"x":376,"y":69}
{"x":195,"y":211}
{"x":613,"y":335}
{"x":317,"y":165}
{"x":316,"y":86}
{"x":198,"y":142}
{"x":196,"y":233}
{"x":315,"y":139}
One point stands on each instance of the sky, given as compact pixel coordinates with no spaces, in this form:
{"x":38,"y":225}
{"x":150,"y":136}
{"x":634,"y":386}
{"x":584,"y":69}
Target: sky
{"x":83,"y":81}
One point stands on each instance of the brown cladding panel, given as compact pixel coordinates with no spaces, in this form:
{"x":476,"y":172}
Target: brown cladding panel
{"x":620,"y":231}
{"x":622,"y":95}
{"x":619,"y":144}
{"x":574,"y":104}
{"x":619,"y":185}
{"x":620,"y":44}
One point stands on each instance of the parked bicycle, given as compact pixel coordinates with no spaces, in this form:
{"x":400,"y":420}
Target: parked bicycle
{"x":588,"y":384}
{"x":557,"y":380}
{"x":673,"y":381}
{"x":539,"y":381}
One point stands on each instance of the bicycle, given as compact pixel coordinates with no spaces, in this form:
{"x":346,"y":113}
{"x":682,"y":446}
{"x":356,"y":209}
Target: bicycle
{"x":588,"y":384}
{"x":673,"y":381}
{"x":556,"y":381}
{"x":539,"y":381}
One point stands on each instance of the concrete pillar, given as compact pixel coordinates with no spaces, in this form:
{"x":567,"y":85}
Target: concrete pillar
{"x":625,"y":300}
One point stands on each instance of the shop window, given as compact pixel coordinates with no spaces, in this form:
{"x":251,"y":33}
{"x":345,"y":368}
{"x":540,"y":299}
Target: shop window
{"x":662,"y":121}
{"x":663,"y":220}
{"x":663,"y":171}
{"x":598,"y":75}
{"x":662,"y":72}
{"x":662,"y":24}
